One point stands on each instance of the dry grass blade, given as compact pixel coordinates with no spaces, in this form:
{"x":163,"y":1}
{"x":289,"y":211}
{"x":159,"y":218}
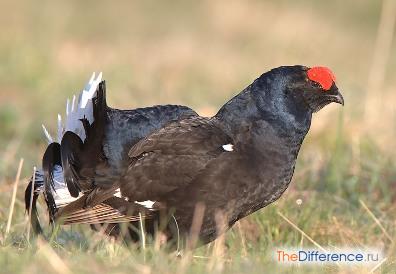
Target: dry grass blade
{"x":302,"y":232}
{"x":243,"y":240}
{"x":376,"y":221}
{"x":193,"y":237}
{"x":143,"y":235}
{"x":196,"y":225}
{"x":14,"y":192}
{"x":375,"y":268}
{"x":142,"y":230}
{"x":53,"y":259}
{"x":216,"y":262}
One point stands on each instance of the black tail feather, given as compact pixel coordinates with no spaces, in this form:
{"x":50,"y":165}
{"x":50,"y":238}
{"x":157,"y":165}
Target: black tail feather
{"x":80,"y":159}
{"x":38,"y":188}
{"x":52,"y":157}
{"x":95,"y":133}
{"x":71,"y":147}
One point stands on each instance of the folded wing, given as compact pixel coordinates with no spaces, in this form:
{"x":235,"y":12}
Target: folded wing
{"x":171,"y":157}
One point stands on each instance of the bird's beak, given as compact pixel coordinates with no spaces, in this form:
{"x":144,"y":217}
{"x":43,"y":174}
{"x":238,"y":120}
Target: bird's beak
{"x":338,"y":98}
{"x":335,"y":96}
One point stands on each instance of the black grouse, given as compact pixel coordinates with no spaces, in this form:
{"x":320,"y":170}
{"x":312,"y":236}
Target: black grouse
{"x":232,"y":164}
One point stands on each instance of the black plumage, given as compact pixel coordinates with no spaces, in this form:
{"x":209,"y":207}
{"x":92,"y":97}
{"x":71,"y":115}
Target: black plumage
{"x":93,"y":166}
{"x":31,"y":200}
{"x":51,"y":158}
{"x":184,"y":163}
{"x":233,"y":164}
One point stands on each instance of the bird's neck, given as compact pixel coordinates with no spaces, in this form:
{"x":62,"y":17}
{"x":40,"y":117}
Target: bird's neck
{"x":261,"y":105}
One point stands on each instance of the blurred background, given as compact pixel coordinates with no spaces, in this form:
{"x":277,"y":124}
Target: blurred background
{"x":200,"y":54}
{"x":197,"y":53}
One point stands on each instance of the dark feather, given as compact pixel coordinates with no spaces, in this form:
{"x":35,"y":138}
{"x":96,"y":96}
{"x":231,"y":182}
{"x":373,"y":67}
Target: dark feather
{"x":38,"y":187}
{"x":171,"y":157}
{"x":71,"y":146}
{"x":93,"y":163}
{"x":50,"y":159}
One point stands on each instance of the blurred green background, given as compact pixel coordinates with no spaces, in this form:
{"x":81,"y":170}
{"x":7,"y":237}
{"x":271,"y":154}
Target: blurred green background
{"x":200,"y":54}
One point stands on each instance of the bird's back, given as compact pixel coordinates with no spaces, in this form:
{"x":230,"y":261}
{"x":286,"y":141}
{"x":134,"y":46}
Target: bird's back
{"x":124,"y":128}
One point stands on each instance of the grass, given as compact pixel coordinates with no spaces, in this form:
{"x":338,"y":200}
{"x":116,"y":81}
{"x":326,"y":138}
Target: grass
{"x":200,"y":54}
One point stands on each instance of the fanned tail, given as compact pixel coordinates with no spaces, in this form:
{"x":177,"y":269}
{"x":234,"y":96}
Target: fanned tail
{"x":80,"y":115}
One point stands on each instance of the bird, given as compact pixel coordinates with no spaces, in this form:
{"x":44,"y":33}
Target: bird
{"x":206,"y":173}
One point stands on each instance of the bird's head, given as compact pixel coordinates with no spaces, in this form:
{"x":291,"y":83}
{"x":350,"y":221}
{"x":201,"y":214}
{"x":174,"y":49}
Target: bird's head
{"x":314,"y":87}
{"x":287,"y":94}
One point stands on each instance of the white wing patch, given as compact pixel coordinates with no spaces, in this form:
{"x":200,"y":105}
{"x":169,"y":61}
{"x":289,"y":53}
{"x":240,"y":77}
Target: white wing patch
{"x":147,"y":204}
{"x":228,"y":147}
{"x":118,"y":193}
{"x":77,"y":110}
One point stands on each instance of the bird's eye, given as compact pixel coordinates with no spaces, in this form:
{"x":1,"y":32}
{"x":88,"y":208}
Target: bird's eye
{"x":316,"y":84}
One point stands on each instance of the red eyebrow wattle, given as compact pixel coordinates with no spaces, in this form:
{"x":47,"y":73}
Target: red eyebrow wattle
{"x":322,"y":75}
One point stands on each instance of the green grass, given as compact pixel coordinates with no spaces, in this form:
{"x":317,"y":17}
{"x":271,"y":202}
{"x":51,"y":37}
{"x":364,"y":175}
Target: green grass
{"x":200,"y":54}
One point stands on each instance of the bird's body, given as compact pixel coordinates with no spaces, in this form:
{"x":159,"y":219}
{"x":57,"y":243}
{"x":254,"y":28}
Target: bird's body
{"x":185,"y":163}
{"x":231,"y":164}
